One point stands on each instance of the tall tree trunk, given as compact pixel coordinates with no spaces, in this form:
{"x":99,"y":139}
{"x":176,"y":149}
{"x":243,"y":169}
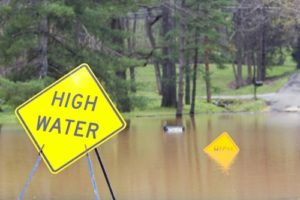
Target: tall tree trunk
{"x":237,"y":18}
{"x":187,"y":83}
{"x":234,"y":70}
{"x":254,"y":63}
{"x":239,"y":81}
{"x":157,"y":76}
{"x":263,"y":55}
{"x":196,"y":56}
{"x":249,"y":67}
{"x":207,"y":73}
{"x":261,"y":58}
{"x":193,"y":103}
{"x":296,"y":53}
{"x":149,"y":33}
{"x":169,"y":71}
{"x":259,"y":61}
{"x":43,"y":47}
{"x":123,"y":101}
{"x":131,"y":48}
{"x":182,"y":31}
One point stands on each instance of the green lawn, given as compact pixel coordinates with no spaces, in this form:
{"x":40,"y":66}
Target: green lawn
{"x":7,"y":117}
{"x":220,"y":79}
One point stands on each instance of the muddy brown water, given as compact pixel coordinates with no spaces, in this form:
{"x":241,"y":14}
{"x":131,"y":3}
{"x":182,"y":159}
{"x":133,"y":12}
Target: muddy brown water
{"x":143,"y":162}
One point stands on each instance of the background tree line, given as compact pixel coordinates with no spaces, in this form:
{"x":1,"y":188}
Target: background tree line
{"x":47,"y":38}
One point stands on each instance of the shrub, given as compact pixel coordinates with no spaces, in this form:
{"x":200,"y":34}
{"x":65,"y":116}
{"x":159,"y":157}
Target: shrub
{"x":15,"y":93}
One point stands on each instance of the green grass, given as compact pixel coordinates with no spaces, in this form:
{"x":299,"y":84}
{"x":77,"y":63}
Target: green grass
{"x":7,"y":114}
{"x":221,"y":80}
{"x":7,"y":117}
{"x":247,"y":106}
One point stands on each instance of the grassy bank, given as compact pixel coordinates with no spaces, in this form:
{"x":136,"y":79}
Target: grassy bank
{"x":7,"y":117}
{"x":7,"y":114}
{"x":202,"y":107}
{"x":221,"y":80}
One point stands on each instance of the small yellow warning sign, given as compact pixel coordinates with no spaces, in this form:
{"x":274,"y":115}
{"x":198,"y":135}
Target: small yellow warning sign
{"x":223,"y":150}
{"x":69,"y":118}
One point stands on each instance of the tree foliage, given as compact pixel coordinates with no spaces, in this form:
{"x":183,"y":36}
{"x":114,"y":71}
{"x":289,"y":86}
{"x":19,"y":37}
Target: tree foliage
{"x":47,"y":38}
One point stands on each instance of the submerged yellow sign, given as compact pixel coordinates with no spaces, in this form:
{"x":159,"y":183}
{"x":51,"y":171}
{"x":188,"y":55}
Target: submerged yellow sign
{"x":223,"y":150}
{"x":69,"y":118}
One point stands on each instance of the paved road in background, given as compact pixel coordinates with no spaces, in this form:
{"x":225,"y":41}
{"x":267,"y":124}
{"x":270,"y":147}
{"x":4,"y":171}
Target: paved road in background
{"x":267,"y":97}
{"x":287,"y":99}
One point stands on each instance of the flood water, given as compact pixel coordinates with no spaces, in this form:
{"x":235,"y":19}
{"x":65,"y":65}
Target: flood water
{"x":143,"y":162}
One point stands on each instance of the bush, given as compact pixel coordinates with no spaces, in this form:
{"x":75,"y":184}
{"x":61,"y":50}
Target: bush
{"x":139,"y":102}
{"x":15,"y":93}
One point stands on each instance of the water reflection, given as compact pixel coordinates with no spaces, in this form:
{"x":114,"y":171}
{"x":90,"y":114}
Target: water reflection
{"x":223,"y":150}
{"x":145,"y":163}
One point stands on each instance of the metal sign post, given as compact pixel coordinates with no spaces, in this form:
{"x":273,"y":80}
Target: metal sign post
{"x":35,"y":167}
{"x":72,"y":117}
{"x":105,"y":174}
{"x":72,"y":112}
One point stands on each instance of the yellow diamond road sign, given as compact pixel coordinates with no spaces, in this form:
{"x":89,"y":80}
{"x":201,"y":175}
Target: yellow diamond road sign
{"x":223,"y":150}
{"x":69,"y":118}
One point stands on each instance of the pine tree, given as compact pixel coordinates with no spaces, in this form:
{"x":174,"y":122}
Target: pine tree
{"x":49,"y":37}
